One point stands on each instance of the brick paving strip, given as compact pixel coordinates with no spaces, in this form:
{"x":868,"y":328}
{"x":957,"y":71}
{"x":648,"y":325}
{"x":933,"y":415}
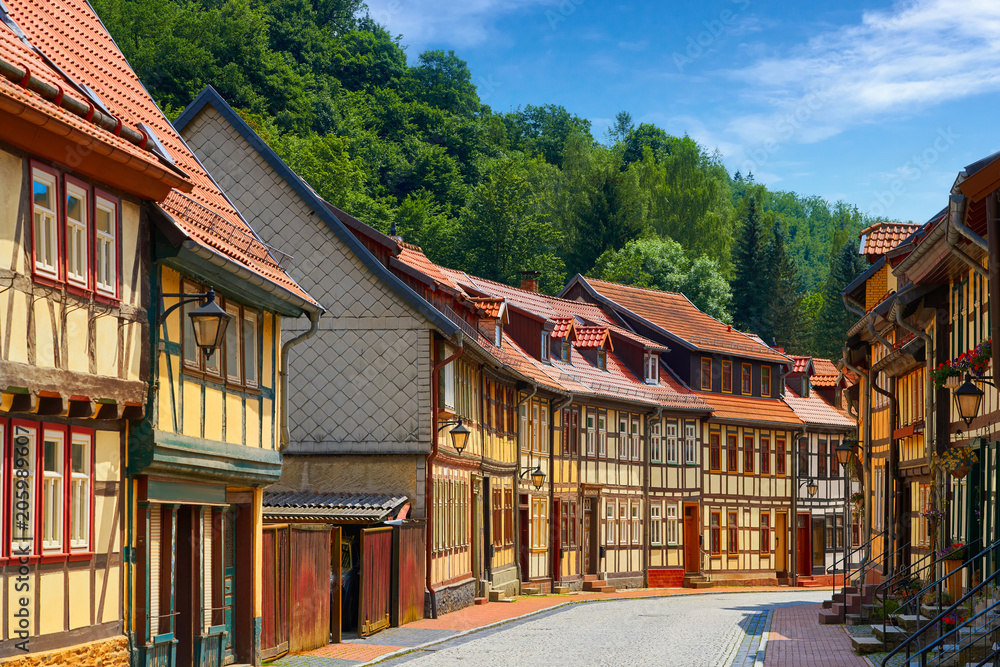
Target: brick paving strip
{"x":754,"y":643}
{"x":795,"y":639}
{"x":413,"y":636}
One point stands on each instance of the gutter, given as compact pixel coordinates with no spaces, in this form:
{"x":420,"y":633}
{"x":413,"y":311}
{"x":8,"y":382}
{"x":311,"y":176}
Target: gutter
{"x":646,"y":548}
{"x":285,"y":349}
{"x":956,"y":210}
{"x":553,"y":409}
{"x":853,"y":306}
{"x":877,"y":336}
{"x":429,"y":465}
{"x":517,"y":480}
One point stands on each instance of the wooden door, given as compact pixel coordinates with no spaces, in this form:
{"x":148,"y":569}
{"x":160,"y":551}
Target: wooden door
{"x":228,"y":581}
{"x":525,"y":546}
{"x":478,"y":564}
{"x":408,"y":555}
{"x":587,"y":531}
{"x":376,"y":580}
{"x":556,"y":524}
{"x":692,"y":538}
{"x":804,"y":556}
{"x":309,"y":581}
{"x":274,"y":597}
{"x":781,"y":543}
{"x":336,"y":585}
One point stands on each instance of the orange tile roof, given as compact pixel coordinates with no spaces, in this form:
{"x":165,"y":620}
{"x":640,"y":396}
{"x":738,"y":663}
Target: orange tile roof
{"x":750,"y":409}
{"x":816,"y":411}
{"x":800,"y":364}
{"x":824,"y":367}
{"x":592,"y":337}
{"x":491,"y":307}
{"x":882,"y":237}
{"x":71,"y":34}
{"x":564,"y":327}
{"x":413,"y":257}
{"x":675,"y":314}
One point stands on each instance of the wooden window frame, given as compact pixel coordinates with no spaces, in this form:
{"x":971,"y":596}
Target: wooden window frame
{"x":635,"y":437}
{"x":75,"y":187}
{"x":749,"y":454}
{"x":715,"y":534}
{"x":656,"y":523}
{"x":656,"y":441}
{"x":715,"y":451}
{"x":746,"y":379}
{"x":705,"y":386}
{"x":623,"y":439}
{"x":651,"y":365}
{"x":765,"y":455}
{"x":727,"y":374}
{"x":248,"y":315}
{"x":765,"y":533}
{"x":635,"y":521}
{"x":45,"y":273}
{"x":508,"y":519}
{"x":602,"y":435}
{"x":690,"y":443}
{"x":765,"y":381}
{"x":673,"y":452}
{"x":623,"y":523}
{"x":732,"y":453}
{"x":611,"y":523}
{"x":591,"y":434}
{"x":564,"y":351}
{"x":672,"y":537}
{"x":822,"y":456}
{"x":113,"y":205}
{"x":780,"y":456}
{"x":602,"y":359}
{"x":732,"y":533}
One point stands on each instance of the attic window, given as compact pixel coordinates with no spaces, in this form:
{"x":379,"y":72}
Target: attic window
{"x":545,"y":346}
{"x":652,"y":364}
{"x":564,"y":353}
{"x":498,"y":335}
{"x":602,"y":359}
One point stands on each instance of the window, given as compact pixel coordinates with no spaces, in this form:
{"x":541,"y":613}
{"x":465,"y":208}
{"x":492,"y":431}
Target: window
{"x":821,"y":458}
{"x":765,"y":455}
{"x":635,"y":440}
{"x":565,"y":350}
{"x":731,"y":453}
{"x":747,"y":381}
{"x":706,"y":374}
{"x":53,"y":471}
{"x":591,"y":434}
{"x":715,"y":533}
{"x":765,"y":381}
{"x":834,"y":463}
{"x":623,"y":522}
{"x":714,"y":452}
{"x":564,"y":524}
{"x":779,"y":456}
{"x":77,"y":235}
{"x":803,"y":471}
{"x":45,"y":231}
{"x":602,"y":359}
{"x":672,"y":442}
{"x":544,"y":346}
{"x":238,"y":360}
{"x":22,"y":501}
{"x":79,"y":498}
{"x":534,"y":427}
{"x":602,"y":436}
{"x":652,"y":367}
{"x":539,"y":524}
{"x":497,"y":334}
{"x":623,"y":439}
{"x":609,"y":525}
{"x":250,"y":360}
{"x":106,"y":246}
{"x":655,"y":442}
{"x":636,"y":523}
{"x":732,"y":534}
{"x":727,"y":376}
{"x":748,"y":453}
{"x":496,"y":516}
{"x":765,"y":532}
{"x":543,"y":431}
{"x":525,"y":432}
{"x":508,"y":516}
{"x":234,"y":372}
{"x":655,"y":524}
{"x":672,"y":528}
{"x":690,"y":444}
{"x":572,"y":524}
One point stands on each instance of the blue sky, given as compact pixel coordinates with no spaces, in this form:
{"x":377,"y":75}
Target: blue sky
{"x":880,"y":104}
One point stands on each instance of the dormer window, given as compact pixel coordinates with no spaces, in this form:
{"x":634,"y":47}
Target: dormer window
{"x":652,"y":368}
{"x":602,"y":359}
{"x":498,"y":335}
{"x":564,"y":353}
{"x":545,"y":346}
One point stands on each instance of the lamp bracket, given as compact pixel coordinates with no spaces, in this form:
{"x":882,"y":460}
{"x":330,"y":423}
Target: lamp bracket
{"x":528,"y":471}
{"x":453,"y":422}
{"x":185,"y":298}
{"x":985,"y":379}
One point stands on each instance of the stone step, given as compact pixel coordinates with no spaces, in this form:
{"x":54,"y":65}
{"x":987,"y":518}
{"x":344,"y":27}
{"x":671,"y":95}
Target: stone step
{"x":910,"y":622}
{"x":497,"y":596}
{"x":864,"y":645}
{"x":830,"y":617}
{"x":481,"y":600}
{"x":854,"y":619}
{"x":827,"y":604}
{"x":601,"y":589}
{"x":591,"y":577}
{"x":891,"y":636}
{"x":561,"y":589}
{"x":593,"y":584}
{"x":531,"y":590}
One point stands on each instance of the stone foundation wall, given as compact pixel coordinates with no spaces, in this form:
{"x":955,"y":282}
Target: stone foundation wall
{"x":103,"y":653}
{"x":452,"y":598}
{"x":626,"y":582}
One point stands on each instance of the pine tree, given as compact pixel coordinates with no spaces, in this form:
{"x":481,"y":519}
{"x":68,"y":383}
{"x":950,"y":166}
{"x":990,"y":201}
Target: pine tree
{"x":786,"y":290}
{"x":750,"y":303}
{"x":834,"y":319}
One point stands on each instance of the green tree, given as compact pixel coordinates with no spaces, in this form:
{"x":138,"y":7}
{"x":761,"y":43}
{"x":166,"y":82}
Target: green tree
{"x":750,"y":300}
{"x":834,"y":319}
{"x":785,"y":324}
{"x":443,"y":80}
{"x":544,"y":130}
{"x":664,"y":265}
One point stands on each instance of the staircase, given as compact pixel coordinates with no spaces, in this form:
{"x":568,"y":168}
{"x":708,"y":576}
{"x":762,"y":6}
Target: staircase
{"x":696,"y":580}
{"x":594,"y":585}
{"x":808,"y":582}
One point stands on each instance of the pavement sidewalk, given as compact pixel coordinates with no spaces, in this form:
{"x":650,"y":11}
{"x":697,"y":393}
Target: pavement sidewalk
{"x":796,"y":639}
{"x":792,"y":633}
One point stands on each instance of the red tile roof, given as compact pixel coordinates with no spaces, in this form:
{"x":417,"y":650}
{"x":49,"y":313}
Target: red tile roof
{"x":491,"y":307}
{"x":564,"y":327}
{"x":882,"y":237}
{"x":824,"y":367}
{"x":677,"y":315}
{"x":749,"y":409}
{"x":816,"y":411}
{"x":71,"y":34}
{"x":592,"y":337}
{"x":412,"y":257}
{"x":800,"y":364}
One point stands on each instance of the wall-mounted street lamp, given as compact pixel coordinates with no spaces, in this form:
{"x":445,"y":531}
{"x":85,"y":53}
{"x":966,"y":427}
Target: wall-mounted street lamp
{"x":537,"y":476}
{"x":811,"y":486}
{"x":208,"y":319}
{"x":844,"y":451}
{"x":969,"y":398}
{"x":459,"y":434}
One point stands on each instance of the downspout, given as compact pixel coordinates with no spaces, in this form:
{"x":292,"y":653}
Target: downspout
{"x":553,"y":409}
{"x":890,"y":491}
{"x":517,"y":484}
{"x":866,"y":439}
{"x":647,"y":470}
{"x":956,"y":227}
{"x":852,"y":306}
{"x":429,"y":466}
{"x":285,"y":348}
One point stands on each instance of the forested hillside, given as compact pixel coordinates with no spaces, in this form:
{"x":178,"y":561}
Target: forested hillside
{"x":392,"y":138}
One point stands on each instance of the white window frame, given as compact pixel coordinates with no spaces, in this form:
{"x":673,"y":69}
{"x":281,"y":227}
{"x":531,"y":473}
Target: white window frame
{"x":498,"y":334}
{"x":543,"y":431}
{"x":545,"y":346}
{"x":623,"y":522}
{"x":448,"y":380}
{"x":591,"y":434}
{"x":655,"y":524}
{"x":53,"y":488}
{"x":672,"y":527}
{"x":655,"y":442}
{"x":690,"y":444}
{"x":602,"y":436}
{"x":636,"y":521}
{"x":250,"y":357}
{"x":106,"y":249}
{"x":611,"y":514}
{"x":77,"y":232}
{"x":46,"y":229}
{"x":672,"y":443}
{"x":623,"y":439}
{"x":652,"y":368}
{"x":234,"y":334}
{"x":22,"y":498}
{"x":636,"y":449}
{"x":80,"y":494}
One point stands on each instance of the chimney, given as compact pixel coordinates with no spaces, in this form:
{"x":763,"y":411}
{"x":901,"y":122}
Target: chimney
{"x":529,"y":281}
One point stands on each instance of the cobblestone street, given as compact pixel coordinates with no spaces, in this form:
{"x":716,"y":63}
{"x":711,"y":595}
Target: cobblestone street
{"x":716,"y":629}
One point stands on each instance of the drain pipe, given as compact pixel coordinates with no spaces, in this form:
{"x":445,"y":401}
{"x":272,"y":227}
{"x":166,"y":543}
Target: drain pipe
{"x":429,"y":466}
{"x":285,"y":348}
{"x":890,"y":490}
{"x":554,"y":408}
{"x":956,"y":227}
{"x":517,"y":484}
{"x":647,"y":469}
{"x":866,"y":439}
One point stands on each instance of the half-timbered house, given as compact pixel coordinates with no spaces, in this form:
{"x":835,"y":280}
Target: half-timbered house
{"x":743,"y":515}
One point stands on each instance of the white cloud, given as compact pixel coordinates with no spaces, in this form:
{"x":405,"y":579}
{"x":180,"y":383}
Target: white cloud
{"x":457,"y":24}
{"x":640,"y":45}
{"x":894,"y":63}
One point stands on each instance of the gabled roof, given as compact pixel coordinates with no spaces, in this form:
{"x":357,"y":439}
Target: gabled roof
{"x":815,"y":411}
{"x":333,"y":217}
{"x":492,"y":308}
{"x":678,"y":319}
{"x":801,"y":364}
{"x":881,"y":237}
{"x":72,"y":36}
{"x":564,"y":328}
{"x":593,"y":338}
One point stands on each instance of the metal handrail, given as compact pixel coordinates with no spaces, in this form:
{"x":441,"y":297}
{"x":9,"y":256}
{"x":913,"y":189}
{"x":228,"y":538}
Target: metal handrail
{"x":883,"y":586}
{"x":907,"y":643}
{"x":961,"y":644}
{"x":832,"y":569}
